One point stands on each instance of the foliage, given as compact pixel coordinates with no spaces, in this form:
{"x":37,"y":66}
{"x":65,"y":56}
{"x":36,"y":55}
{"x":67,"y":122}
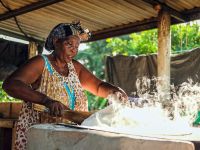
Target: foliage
{"x":185,"y":37}
{"x":95,"y":103}
{"x":3,"y":95}
{"x":136,"y":44}
{"x":94,"y":57}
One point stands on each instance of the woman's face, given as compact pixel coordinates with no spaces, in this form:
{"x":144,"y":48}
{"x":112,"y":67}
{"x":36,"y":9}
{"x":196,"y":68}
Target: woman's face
{"x":67,"y":49}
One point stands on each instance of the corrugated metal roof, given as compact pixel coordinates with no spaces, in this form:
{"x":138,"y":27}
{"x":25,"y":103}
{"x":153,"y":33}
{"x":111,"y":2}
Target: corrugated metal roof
{"x":97,"y":15}
{"x":181,"y":5}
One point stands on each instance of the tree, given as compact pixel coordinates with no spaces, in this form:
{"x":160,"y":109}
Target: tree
{"x":185,"y":36}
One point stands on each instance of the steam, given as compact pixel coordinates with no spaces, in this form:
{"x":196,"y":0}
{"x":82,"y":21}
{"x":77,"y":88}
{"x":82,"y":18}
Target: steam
{"x":147,"y":111}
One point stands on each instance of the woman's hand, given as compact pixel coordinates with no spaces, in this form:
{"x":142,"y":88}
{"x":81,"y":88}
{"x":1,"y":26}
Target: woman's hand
{"x":56,"y":108}
{"x":117,"y":94}
{"x":122,"y":94}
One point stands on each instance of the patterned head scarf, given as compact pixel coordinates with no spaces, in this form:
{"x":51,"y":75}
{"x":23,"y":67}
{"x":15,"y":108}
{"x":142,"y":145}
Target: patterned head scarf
{"x":64,"y":30}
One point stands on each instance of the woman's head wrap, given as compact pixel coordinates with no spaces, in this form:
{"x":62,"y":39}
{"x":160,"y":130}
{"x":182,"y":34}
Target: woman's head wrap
{"x":63,"y":30}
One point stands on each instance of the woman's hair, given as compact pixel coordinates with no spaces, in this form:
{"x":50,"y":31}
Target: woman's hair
{"x":63,"y":30}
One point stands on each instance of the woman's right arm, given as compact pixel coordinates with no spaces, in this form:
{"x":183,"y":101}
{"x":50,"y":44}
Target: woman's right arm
{"x":18,"y":84}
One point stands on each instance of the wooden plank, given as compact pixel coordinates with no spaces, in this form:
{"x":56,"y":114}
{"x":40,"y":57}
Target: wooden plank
{"x":10,"y":110}
{"x":5,"y":110}
{"x":7,"y":123}
{"x":16,"y":107}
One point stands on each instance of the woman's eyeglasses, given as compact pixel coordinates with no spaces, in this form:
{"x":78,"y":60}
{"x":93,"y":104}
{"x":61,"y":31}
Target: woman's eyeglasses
{"x":70,"y":46}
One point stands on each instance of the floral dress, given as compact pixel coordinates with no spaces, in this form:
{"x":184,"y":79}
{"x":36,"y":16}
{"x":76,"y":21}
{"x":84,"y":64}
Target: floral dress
{"x":67,"y":90}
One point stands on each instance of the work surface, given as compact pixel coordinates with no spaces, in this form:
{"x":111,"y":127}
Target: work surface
{"x":48,"y":136}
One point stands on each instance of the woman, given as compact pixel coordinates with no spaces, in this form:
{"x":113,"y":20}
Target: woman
{"x":55,"y":81}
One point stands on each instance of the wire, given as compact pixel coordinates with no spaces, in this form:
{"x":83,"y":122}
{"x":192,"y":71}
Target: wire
{"x":16,"y":21}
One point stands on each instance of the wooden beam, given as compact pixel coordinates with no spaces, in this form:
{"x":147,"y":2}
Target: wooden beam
{"x":174,"y":13}
{"x":193,"y":14}
{"x":26,"y":9}
{"x":127,"y":29}
{"x":7,"y":123}
{"x":124,"y":29}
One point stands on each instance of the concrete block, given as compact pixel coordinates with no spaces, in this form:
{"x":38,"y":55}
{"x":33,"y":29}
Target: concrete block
{"x":53,"y":137}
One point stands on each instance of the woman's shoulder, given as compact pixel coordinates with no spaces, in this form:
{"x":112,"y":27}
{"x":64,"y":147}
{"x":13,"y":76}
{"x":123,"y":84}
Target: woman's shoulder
{"x":77,"y":65}
{"x":36,"y":60}
{"x":41,"y":58}
{"x":30,"y":71}
{"x":35,"y":63}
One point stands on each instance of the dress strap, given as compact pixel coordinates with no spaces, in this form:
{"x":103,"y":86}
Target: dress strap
{"x":71,"y":95}
{"x":47,"y":64}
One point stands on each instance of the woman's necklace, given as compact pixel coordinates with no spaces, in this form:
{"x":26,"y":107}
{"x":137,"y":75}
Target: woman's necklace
{"x":61,"y":69}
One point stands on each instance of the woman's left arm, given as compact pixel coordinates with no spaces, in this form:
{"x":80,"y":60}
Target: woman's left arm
{"x":94,"y":85}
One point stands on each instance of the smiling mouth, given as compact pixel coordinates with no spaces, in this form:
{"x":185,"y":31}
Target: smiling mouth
{"x":69,"y":58}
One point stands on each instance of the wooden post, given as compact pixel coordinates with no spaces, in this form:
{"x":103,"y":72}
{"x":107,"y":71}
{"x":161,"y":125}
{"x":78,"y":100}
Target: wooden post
{"x":164,"y":50}
{"x":32,"y":49}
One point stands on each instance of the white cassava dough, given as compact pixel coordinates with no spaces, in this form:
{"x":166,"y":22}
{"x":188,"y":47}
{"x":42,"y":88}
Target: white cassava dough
{"x":146,"y":120}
